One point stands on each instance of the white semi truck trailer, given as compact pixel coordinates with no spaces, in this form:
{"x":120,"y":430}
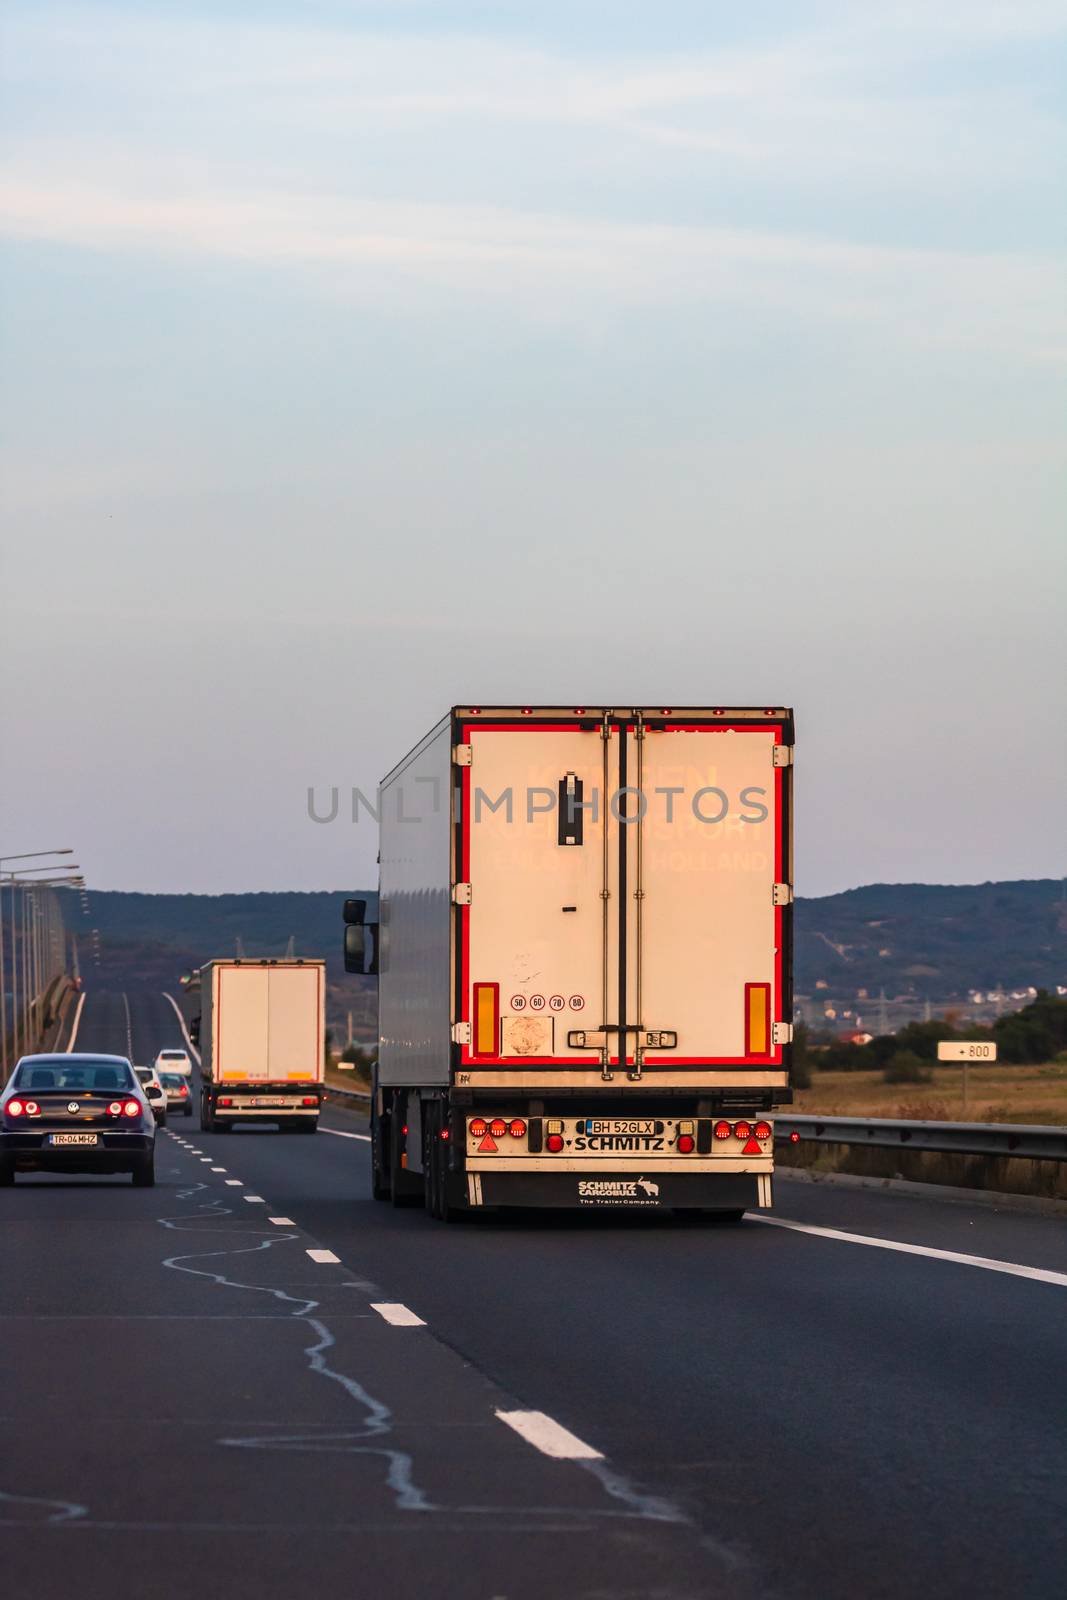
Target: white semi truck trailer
{"x":261,"y":1033}
{"x":583,"y":949}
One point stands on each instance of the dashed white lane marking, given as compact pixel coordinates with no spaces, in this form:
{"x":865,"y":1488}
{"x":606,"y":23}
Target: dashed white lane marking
{"x":1013,"y":1268}
{"x":234,"y":1183}
{"x":324,"y":1255}
{"x":205,"y":1161}
{"x":79,"y":1008}
{"x":551,"y":1438}
{"x":339,"y":1134}
{"x":254,"y":1199}
{"x":282,"y":1222}
{"x":217,"y":1169}
{"x":400,"y":1316}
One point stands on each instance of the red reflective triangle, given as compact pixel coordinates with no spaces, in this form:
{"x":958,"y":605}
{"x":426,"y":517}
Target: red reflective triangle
{"x":752,"y":1148}
{"x":489,"y":1143}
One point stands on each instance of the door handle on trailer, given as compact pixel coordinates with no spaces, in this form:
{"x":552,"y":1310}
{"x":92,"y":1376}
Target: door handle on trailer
{"x":570,"y":812}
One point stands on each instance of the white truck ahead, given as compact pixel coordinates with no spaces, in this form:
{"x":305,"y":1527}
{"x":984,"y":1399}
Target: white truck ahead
{"x":584,"y":955}
{"x":262,"y":1043}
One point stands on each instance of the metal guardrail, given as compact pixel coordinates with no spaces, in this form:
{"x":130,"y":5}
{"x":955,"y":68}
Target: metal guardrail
{"x":1024,"y":1141}
{"x":362,"y":1095}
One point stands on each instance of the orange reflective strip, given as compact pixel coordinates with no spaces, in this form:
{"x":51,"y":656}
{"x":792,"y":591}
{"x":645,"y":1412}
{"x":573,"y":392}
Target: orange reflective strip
{"x":486,"y":1018}
{"x":757,"y":1019}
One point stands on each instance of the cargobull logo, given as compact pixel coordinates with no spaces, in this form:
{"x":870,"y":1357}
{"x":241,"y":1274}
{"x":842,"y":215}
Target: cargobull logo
{"x":618,"y":1192}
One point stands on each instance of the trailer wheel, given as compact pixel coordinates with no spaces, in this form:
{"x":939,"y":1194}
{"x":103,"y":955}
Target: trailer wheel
{"x":379,"y":1167}
{"x":405,"y":1188}
{"x":439,"y":1181}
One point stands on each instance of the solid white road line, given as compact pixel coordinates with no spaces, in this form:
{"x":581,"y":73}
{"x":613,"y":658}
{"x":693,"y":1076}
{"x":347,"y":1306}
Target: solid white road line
{"x":398,"y":1315}
{"x":235,"y":1183}
{"x":77,"y":1019}
{"x":324,"y":1256}
{"x":550,"y":1437}
{"x":189,"y":1045}
{"x":282,"y":1222}
{"x":338,"y":1134}
{"x":1013,"y":1268}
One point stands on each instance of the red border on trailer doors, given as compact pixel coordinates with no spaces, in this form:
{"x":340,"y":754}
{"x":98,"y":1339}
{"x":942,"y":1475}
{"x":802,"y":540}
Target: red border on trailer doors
{"x":773,"y":1056}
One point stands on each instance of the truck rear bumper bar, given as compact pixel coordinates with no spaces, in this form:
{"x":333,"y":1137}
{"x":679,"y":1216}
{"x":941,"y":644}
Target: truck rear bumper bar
{"x":652,"y":1189}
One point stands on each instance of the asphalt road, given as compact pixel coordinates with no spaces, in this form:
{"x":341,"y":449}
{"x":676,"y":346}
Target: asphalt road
{"x":195,"y":1404}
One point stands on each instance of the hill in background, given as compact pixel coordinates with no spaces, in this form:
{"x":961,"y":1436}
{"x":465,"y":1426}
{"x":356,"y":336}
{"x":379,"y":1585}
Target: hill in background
{"x":930,"y":942}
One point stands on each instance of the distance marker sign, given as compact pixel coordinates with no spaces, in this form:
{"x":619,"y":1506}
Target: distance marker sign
{"x":966,"y":1050}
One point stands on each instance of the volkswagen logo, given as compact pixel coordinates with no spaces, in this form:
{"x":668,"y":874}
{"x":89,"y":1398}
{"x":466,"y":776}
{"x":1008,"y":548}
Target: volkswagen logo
{"x":73,"y":1107}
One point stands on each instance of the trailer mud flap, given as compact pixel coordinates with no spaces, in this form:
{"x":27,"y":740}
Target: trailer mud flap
{"x":607,"y":1190}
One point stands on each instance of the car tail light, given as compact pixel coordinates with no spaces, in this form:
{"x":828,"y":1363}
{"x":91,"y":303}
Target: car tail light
{"x":478,"y":1128}
{"x":685,"y":1143}
{"x":742,"y":1130}
{"x":762,"y":1130}
{"x":517,"y":1128}
{"x":115,"y":1108}
{"x":498,"y":1127}
{"x":183,"y":1091}
{"x":32,"y":1108}
{"x":554,"y":1142}
{"x":14,"y":1108}
{"x":131,"y":1108}
{"x":722,"y":1130}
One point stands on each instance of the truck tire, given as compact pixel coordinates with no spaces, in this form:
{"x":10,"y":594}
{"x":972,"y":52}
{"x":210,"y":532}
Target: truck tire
{"x":379,"y":1164}
{"x":405,"y":1188}
{"x":207,"y":1121}
{"x":440,"y":1183}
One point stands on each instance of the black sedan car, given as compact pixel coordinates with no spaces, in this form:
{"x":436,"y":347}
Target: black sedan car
{"x":76,"y":1113}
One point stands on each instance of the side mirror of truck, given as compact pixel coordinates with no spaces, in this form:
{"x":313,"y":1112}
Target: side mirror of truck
{"x":194,"y":1030}
{"x":361,"y":947}
{"x":355,"y":913}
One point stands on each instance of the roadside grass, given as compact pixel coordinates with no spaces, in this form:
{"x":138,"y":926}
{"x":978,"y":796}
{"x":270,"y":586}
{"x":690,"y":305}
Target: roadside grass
{"x":997,"y":1093}
{"x":1033,"y":1094}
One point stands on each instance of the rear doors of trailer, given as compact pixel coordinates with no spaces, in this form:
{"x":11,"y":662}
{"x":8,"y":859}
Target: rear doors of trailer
{"x":623,"y":903}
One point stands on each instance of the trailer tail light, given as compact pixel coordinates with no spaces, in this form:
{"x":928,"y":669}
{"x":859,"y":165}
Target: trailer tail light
{"x":309,"y":1100}
{"x":757,"y":1019}
{"x":742,"y":1130}
{"x":478,"y":1128}
{"x":722,"y":1130}
{"x":794,"y":1137}
{"x":445,"y":1135}
{"x":225,"y":1100}
{"x":762,"y":1130}
{"x":685,"y":1143}
{"x":131,"y":1108}
{"x":554,"y":1143}
{"x":486,"y":1018}
{"x":517,"y":1128}
{"x":498,"y":1127}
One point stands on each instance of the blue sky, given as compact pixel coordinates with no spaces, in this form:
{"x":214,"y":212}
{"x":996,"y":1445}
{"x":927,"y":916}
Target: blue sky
{"x":365,"y":357}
